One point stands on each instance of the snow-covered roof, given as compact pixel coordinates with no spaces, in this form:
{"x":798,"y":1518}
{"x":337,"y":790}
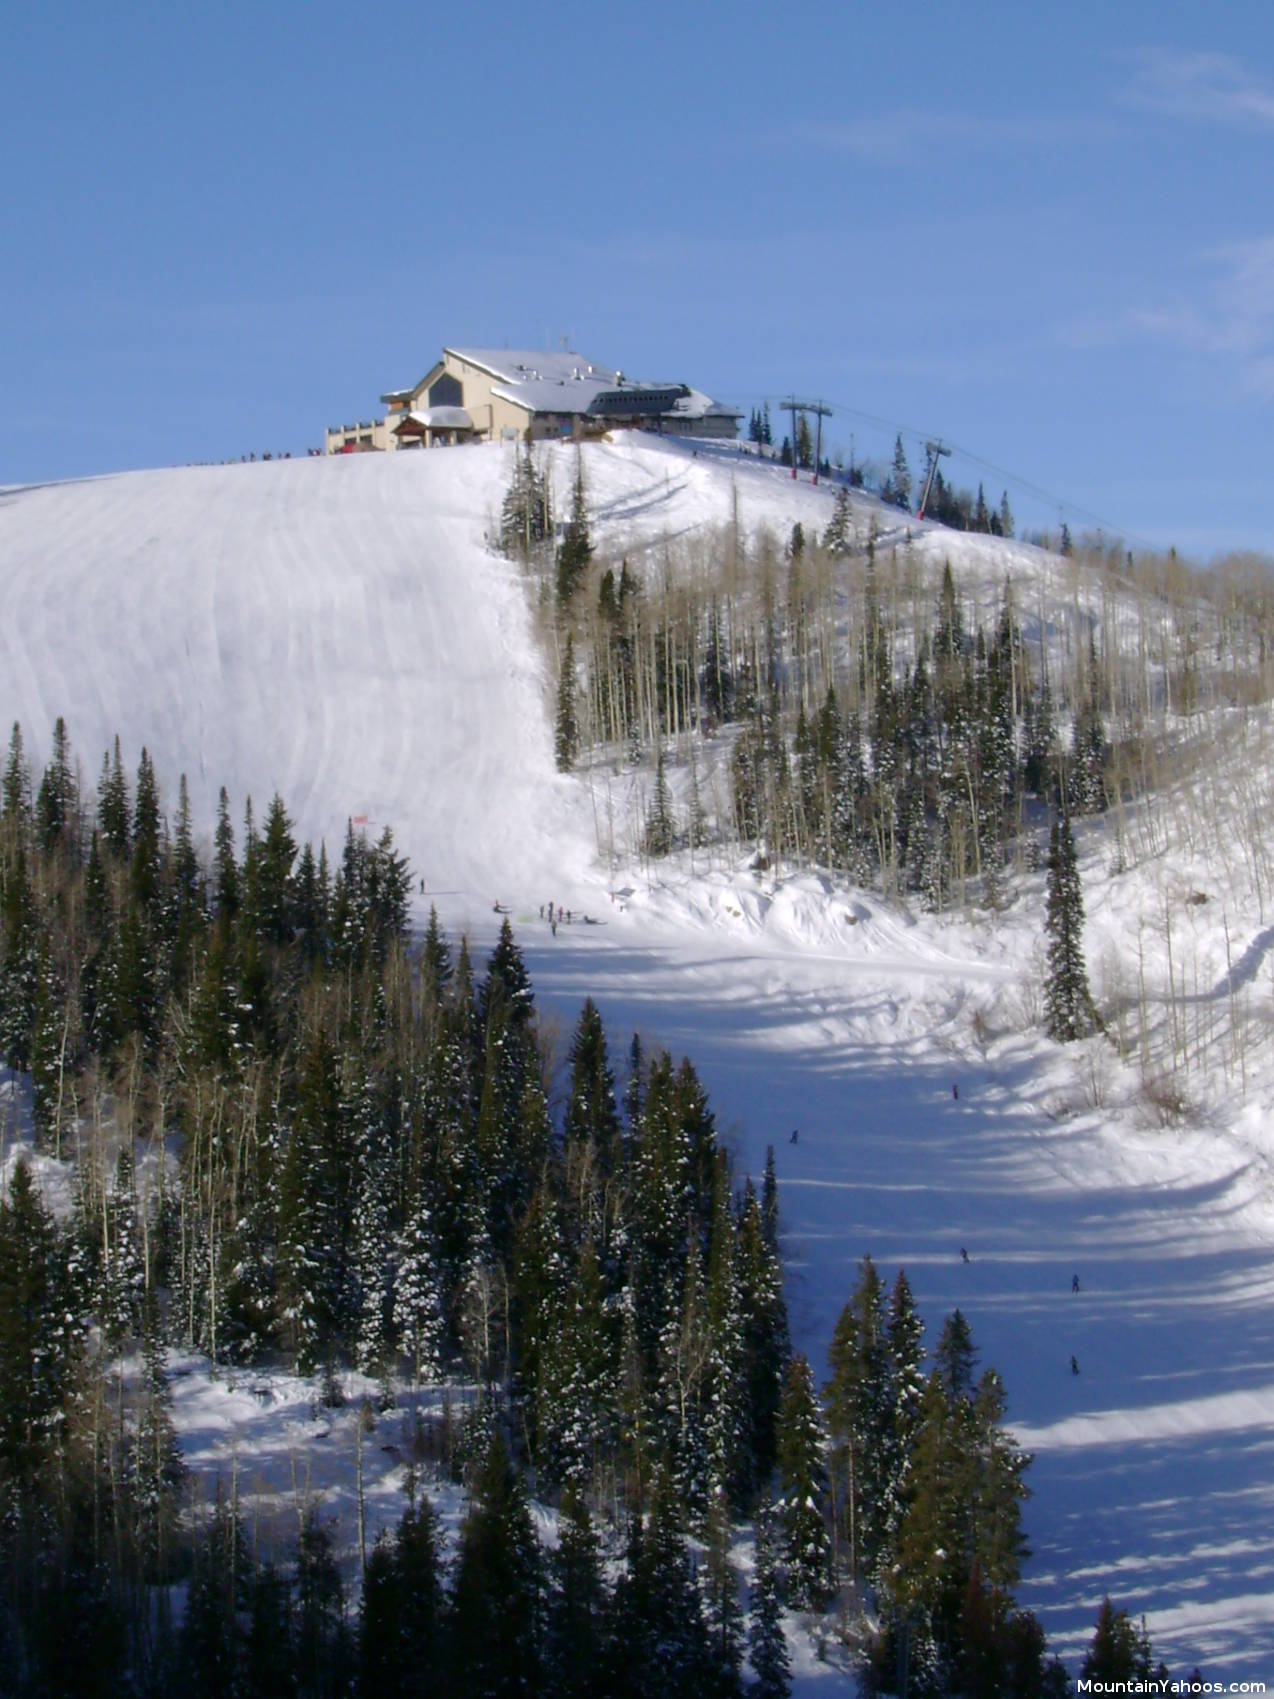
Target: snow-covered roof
{"x":696,"y":405}
{"x":438,"y":419}
{"x":589,"y":395}
{"x":566,"y":382}
{"x":521,"y":366}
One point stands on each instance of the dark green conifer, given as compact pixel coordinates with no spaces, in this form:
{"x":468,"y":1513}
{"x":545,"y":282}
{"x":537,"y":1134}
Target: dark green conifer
{"x":495,"y":1609}
{"x":802,"y":1486}
{"x":575,"y":1621}
{"x":767,"y":1643}
{"x":566,"y":733}
{"x":16,"y":787}
{"x":575,"y":551}
{"x":1068,"y":1005}
{"x":113,"y":815}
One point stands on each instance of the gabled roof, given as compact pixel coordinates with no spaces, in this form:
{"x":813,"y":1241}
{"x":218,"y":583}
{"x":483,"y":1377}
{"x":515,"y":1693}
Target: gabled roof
{"x":406,"y":396}
{"x":566,"y":382}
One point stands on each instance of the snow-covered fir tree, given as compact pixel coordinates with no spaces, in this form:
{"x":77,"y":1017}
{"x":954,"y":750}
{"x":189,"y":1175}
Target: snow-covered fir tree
{"x":418,"y":1321}
{"x":1068,"y":1005}
{"x":767,"y":1643}
{"x":805,"y":1547}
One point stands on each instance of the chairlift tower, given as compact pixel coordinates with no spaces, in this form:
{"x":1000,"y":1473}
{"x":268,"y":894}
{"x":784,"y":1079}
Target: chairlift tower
{"x":820,"y":412}
{"x":934,"y":452}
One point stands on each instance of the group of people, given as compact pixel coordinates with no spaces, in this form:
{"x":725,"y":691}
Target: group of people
{"x":964,"y":1257}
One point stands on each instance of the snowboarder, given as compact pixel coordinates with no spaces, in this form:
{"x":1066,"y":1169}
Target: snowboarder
{"x":964,"y":1255}
{"x":1074,"y":1366}
{"x":955,"y":1091}
{"x":796,"y":1134}
{"x":1074,"y":1283}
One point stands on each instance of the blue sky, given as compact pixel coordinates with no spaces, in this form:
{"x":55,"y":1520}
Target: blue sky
{"x":1045,"y":232}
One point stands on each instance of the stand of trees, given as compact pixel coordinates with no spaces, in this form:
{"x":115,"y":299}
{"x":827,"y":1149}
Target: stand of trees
{"x":292,"y":1138}
{"x":366,"y":1172}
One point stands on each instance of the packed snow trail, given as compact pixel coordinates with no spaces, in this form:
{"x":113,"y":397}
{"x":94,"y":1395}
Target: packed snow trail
{"x":1151,"y":1477}
{"x":335,"y":630}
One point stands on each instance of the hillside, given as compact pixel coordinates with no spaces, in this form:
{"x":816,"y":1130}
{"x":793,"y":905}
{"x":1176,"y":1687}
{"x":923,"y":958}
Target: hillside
{"x":337,"y":630}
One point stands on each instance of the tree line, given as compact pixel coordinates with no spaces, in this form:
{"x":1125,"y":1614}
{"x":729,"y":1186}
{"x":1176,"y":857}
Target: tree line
{"x":293,"y":1136}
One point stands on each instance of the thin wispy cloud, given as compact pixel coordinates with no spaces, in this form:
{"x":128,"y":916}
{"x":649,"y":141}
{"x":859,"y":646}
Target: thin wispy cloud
{"x":1214,"y":87}
{"x":906,"y":131}
{"x":1227,"y":317}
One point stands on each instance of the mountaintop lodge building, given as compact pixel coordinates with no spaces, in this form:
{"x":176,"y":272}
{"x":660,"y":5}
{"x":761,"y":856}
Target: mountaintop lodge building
{"x":507,"y":395}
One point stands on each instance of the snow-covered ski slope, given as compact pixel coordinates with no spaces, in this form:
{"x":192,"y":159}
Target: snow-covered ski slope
{"x":336,"y":630}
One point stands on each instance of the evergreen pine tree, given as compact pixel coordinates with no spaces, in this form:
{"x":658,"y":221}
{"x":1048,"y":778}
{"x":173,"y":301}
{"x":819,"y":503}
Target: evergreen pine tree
{"x":591,"y":1114}
{"x":419,"y":1324}
{"x":112,"y":805}
{"x":57,"y":805}
{"x":211,"y":1638}
{"x":566,"y":735}
{"x":267,"y":1653}
{"x":435,"y":958}
{"x":575,"y":1618}
{"x":956,"y":1357}
{"x":898,"y":485}
{"x":372,"y":1250}
{"x":401,"y":1641}
{"x":52,"y":1056}
{"x":155,"y":1465}
{"x":525,"y":518}
{"x":123,"y":1271}
{"x":38,"y":1346}
{"x":272,"y":912}
{"x":860,"y":1418}
{"x":722,"y":1614}
{"x":225,"y":872}
{"x":838,"y":539}
{"x":323,"y":1654}
{"x":1114,"y":1653}
{"x":767,"y":1643}
{"x":16,"y":787}
{"x":905,"y":1345}
{"x":146,"y":838}
{"x":999,"y":1490}
{"x":799,"y":1507}
{"x":19,"y":967}
{"x":1068,"y":1004}
{"x":495,"y":1609}
{"x":575,"y":551}
{"x":763,"y":1320}
{"x":661,"y":835}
